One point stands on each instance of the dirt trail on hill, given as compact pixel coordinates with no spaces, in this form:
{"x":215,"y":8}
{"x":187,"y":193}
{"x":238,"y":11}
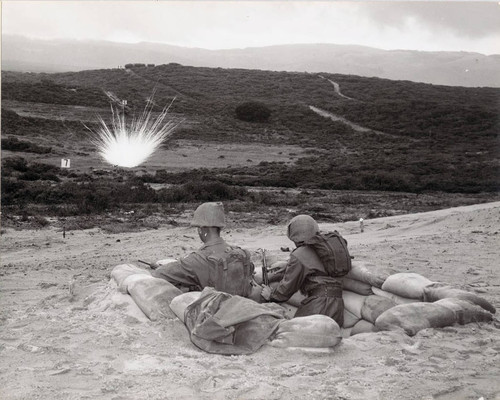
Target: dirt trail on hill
{"x":92,"y":342}
{"x":336,"y":87}
{"x":354,"y":126}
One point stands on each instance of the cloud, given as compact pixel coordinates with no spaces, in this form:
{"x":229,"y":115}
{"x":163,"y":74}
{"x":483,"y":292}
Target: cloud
{"x":462,"y":18}
{"x":426,"y":25}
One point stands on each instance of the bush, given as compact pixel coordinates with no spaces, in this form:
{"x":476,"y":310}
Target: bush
{"x":253,"y":111}
{"x":201,"y":191}
{"x":14,"y":144}
{"x":14,"y":164}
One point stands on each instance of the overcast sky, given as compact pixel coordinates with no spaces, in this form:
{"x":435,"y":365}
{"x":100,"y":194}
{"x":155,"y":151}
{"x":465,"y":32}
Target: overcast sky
{"x":425,"y":25}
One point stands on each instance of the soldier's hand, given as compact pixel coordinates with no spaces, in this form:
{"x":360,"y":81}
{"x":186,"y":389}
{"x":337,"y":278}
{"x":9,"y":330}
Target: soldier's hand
{"x":266,"y":292}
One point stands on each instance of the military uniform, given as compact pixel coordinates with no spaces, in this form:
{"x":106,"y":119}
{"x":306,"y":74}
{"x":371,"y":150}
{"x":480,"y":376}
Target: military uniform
{"x":195,"y":271}
{"x":216,"y":264}
{"x":305,"y":272}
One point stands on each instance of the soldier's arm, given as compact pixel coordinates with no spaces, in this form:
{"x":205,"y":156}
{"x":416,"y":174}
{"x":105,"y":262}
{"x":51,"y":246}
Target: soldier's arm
{"x":180,"y":273}
{"x":291,"y":282}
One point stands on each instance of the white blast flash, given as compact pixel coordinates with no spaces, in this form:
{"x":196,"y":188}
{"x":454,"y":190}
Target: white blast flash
{"x":129,"y":145}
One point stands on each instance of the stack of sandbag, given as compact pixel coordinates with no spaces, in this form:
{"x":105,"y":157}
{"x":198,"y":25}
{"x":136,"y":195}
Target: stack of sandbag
{"x":438,"y":291}
{"x":353,"y":303}
{"x":359,"y":285}
{"x":465,"y":311}
{"x":413,"y":317}
{"x":318,"y":331}
{"x":439,"y":305}
{"x":152,"y":295}
{"x":361,"y":312}
{"x":397,"y":303}
{"x":372,"y":308}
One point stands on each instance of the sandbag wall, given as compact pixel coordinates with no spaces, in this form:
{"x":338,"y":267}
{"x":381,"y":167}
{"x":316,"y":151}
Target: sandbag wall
{"x":152,"y":295}
{"x":374,"y":301}
{"x":158,"y":299}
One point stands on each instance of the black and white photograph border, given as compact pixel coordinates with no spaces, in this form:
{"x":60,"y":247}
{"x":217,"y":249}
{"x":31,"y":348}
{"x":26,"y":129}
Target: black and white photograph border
{"x":250,"y":200}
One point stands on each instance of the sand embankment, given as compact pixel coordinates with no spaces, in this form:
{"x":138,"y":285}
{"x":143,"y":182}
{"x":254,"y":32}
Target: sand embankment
{"x":66,"y":334}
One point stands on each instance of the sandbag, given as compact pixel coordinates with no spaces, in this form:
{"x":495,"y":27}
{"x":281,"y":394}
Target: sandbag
{"x":349,"y":319}
{"x":179,"y":303}
{"x":132,"y":278}
{"x":415,"y":317}
{"x":465,"y":311}
{"x":309,"y":331}
{"x":123,"y":303}
{"x":353,"y":302}
{"x":353,"y":285}
{"x":406,"y":284}
{"x":153,"y":296}
{"x":397,"y":299}
{"x":437,"y":291}
{"x":362,"y":326}
{"x":345,"y":332}
{"x":123,"y":271}
{"x":368,"y":273}
{"x":289,"y":310}
{"x":374,"y":306}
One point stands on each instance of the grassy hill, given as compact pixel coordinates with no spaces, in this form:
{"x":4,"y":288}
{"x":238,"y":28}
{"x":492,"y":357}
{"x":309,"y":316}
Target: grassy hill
{"x":417,"y":137}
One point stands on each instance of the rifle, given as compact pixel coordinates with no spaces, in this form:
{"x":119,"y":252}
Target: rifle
{"x":265,"y":275}
{"x":148,"y":264}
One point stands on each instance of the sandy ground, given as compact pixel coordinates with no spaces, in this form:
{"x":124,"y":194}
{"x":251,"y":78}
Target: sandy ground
{"x":65,"y":332}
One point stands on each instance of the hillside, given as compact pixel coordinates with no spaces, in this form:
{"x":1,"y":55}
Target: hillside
{"x":372,"y":134}
{"x":441,"y":68}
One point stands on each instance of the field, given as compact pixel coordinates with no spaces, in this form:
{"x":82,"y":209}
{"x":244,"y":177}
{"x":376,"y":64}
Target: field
{"x":420,"y":164}
{"x":410,"y":147}
{"x":68,"y":334}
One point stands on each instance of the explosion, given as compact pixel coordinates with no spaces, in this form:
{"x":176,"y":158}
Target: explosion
{"x":129,"y":145}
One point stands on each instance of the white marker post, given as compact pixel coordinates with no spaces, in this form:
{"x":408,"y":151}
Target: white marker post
{"x":65,"y":162}
{"x":361,"y":225}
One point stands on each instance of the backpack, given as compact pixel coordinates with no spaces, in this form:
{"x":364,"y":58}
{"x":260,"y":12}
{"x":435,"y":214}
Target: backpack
{"x":331,"y":249}
{"x":234,"y":272}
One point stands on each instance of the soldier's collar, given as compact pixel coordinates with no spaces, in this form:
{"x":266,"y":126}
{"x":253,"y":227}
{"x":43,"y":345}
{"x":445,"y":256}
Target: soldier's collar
{"x":213,"y":242}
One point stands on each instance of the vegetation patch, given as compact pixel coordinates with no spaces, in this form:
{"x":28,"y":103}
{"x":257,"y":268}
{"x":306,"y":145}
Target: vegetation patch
{"x":14,"y":144}
{"x":419,"y":139}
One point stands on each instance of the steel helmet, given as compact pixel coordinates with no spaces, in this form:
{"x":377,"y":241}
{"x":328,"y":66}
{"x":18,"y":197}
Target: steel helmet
{"x":209,"y":214}
{"x":302,"y":228}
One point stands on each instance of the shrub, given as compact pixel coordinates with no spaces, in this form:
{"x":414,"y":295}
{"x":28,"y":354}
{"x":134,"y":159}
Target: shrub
{"x":14,"y":144}
{"x":41,"y":221}
{"x":253,"y":111}
{"x":201,"y":191}
{"x":14,"y":164}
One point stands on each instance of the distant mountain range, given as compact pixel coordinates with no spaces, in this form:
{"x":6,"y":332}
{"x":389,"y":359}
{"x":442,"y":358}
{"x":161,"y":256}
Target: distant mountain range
{"x":440,"y":68}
